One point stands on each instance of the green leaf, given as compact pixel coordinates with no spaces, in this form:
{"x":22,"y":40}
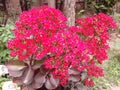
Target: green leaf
{"x":96,"y":6}
{"x":81,"y":11}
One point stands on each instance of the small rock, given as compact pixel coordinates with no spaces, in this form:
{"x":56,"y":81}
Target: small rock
{"x":3,"y":70}
{"x":118,"y":35}
{"x":9,"y":85}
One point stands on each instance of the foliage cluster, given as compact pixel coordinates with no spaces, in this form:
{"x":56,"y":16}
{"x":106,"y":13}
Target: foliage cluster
{"x":5,"y":35}
{"x":105,"y":6}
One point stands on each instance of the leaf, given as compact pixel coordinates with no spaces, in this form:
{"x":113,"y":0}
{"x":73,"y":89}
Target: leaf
{"x":96,"y":6}
{"x":16,"y":73}
{"x":40,"y":78}
{"x":51,"y":83}
{"x":5,"y":39}
{"x":15,"y":68}
{"x":28,"y":76}
{"x":80,"y":86}
{"x":37,"y":85}
{"x":15,"y":65}
{"x":53,"y":80}
{"x":74,"y":78}
{"x":81,"y":11}
{"x":17,"y":80}
{"x":28,"y":87}
{"x":73,"y":88}
{"x":37,"y":64}
{"x":83,"y":75}
{"x":73,"y":71}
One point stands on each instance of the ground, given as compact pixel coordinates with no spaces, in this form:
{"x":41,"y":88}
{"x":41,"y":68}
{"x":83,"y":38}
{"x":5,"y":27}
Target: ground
{"x":115,"y":44}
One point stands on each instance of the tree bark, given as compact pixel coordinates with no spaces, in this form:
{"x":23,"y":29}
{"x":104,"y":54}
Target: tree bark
{"x":13,"y":7}
{"x":52,"y":3}
{"x":69,"y":11}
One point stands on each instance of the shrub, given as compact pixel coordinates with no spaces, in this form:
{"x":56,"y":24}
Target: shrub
{"x":51,"y":53}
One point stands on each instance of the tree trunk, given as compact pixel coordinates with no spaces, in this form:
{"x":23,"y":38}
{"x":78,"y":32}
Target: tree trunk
{"x":52,"y":3}
{"x":69,"y":11}
{"x":13,"y":7}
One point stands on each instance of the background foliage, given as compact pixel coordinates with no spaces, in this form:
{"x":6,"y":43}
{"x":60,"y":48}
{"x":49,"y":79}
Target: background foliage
{"x":5,"y":35}
{"x":105,"y":6}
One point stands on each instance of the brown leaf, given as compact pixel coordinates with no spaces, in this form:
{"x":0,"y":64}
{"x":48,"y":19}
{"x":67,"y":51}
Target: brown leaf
{"x":80,"y":86}
{"x":40,"y":78}
{"x":28,"y":76}
{"x":74,"y":78}
{"x":28,"y":87}
{"x":83,"y":75}
{"x":51,"y":83}
{"x":37,"y":85}
{"x":15,"y":68}
{"x":15,"y":65}
{"x":73,"y":71}
{"x":37,"y":64}
{"x":16,"y":73}
{"x":17,"y":80}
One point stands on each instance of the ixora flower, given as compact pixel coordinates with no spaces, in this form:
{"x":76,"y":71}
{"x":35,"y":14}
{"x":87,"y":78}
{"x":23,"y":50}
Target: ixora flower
{"x":51,"y":54}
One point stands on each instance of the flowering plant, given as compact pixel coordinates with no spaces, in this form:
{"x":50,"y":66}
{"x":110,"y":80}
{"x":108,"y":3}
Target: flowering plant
{"x":50,"y":53}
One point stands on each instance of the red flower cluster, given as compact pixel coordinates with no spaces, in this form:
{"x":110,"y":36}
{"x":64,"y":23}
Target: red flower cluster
{"x":33,"y":30}
{"x":44,"y":30}
{"x":69,"y":50}
{"x":89,"y":82}
{"x":94,"y":29}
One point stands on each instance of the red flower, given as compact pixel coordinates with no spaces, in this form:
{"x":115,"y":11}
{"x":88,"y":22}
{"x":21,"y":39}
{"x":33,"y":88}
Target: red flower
{"x":43,"y":31}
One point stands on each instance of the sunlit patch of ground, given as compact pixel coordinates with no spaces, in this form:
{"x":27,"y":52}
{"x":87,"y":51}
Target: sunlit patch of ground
{"x":111,"y":80}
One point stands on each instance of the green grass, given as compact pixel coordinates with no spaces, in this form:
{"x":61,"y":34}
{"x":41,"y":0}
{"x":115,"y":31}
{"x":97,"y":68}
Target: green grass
{"x":111,"y":71}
